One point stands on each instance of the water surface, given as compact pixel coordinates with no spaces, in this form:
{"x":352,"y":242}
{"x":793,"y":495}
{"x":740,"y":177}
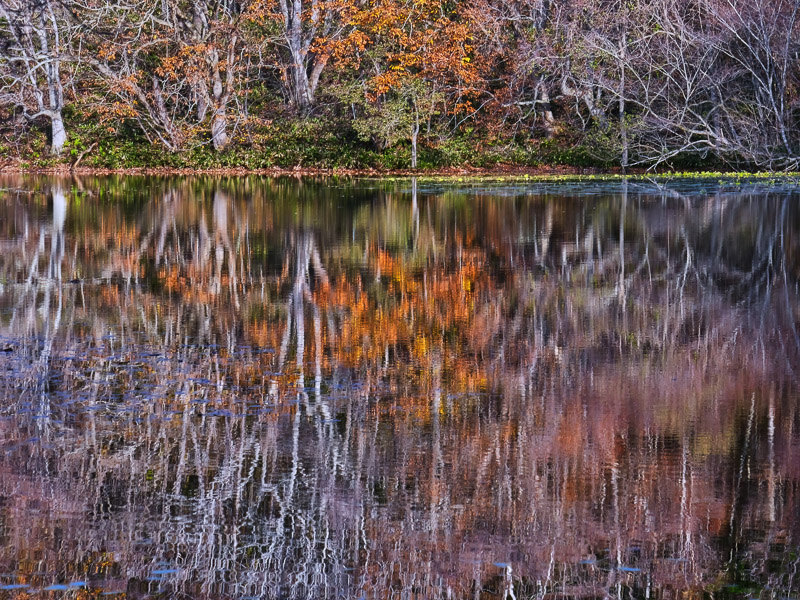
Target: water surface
{"x":295,"y":388}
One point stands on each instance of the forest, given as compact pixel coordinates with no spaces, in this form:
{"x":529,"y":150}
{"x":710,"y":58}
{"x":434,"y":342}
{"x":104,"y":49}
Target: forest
{"x":393,"y":84}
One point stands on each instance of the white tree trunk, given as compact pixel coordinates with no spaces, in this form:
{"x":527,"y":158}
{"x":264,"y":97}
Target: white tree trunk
{"x":623,"y":126}
{"x":58,"y":134}
{"x":414,"y":136}
{"x":302,"y":90}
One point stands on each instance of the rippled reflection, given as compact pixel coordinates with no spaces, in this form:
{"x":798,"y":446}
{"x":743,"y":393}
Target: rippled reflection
{"x":245,"y":387}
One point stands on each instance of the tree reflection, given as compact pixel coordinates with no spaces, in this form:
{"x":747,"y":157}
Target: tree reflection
{"x":252,"y":387}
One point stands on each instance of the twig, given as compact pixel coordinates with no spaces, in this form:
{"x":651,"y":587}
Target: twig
{"x":74,"y":165}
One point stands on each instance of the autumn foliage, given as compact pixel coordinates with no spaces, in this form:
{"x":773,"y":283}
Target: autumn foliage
{"x":640,"y":83}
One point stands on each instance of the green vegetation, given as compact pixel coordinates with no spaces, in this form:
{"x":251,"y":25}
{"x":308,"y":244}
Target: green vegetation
{"x":288,"y":143}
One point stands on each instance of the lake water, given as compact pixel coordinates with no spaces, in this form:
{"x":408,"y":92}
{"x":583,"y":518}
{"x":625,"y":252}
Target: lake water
{"x":296,"y":388}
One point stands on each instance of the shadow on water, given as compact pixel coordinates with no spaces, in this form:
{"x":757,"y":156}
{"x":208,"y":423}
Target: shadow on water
{"x":280,"y":388}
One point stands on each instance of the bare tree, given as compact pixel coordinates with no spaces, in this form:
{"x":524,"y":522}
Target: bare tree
{"x":308,"y":30}
{"x":124,"y":41}
{"x":762,"y":39}
{"x":708,"y":79}
{"x":211,"y":29}
{"x":173,"y":65}
{"x":32,"y":42}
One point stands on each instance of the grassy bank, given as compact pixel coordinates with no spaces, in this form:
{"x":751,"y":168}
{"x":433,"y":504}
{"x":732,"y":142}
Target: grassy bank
{"x":317,"y":144}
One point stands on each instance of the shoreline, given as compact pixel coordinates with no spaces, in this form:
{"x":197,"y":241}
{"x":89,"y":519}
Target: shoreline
{"x":501,"y":172}
{"x":311,"y":171}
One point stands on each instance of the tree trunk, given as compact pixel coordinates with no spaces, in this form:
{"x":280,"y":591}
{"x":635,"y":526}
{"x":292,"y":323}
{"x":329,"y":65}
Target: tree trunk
{"x":623,"y":126}
{"x":302,"y":92}
{"x":414,"y":136}
{"x":219,"y":130}
{"x":547,"y":114}
{"x":222,"y":94}
{"x":58,"y":134}
{"x":201,"y":95}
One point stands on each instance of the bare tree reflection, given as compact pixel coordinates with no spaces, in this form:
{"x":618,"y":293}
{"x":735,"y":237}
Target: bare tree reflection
{"x":252,"y":388}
